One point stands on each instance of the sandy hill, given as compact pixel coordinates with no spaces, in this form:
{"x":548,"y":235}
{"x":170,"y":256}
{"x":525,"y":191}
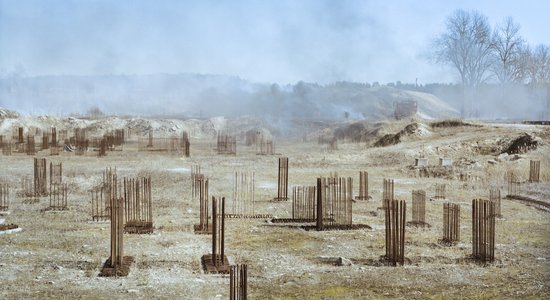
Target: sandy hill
{"x":204,"y":96}
{"x":5,"y":113}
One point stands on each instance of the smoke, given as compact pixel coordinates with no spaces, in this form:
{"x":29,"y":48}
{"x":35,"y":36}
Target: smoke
{"x":59,"y":57}
{"x":261,"y":41}
{"x":192,"y":95}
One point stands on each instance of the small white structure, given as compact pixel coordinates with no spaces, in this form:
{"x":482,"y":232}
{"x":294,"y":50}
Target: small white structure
{"x":445,"y":162}
{"x":420,"y":162}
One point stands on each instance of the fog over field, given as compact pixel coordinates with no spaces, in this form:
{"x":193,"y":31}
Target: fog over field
{"x":200,"y":59}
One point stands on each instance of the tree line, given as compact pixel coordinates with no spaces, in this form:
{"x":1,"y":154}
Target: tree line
{"x":482,"y":54}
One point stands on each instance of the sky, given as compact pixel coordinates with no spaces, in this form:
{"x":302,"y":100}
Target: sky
{"x":278,"y":41}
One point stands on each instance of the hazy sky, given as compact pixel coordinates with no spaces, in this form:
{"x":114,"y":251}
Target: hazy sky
{"x":263,"y":41}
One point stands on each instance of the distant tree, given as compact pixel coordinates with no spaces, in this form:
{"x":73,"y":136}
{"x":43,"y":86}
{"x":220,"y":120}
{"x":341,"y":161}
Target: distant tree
{"x":94,"y":112}
{"x":537,"y":62}
{"x":509,"y":65}
{"x":301,"y":89}
{"x":466,"y":46}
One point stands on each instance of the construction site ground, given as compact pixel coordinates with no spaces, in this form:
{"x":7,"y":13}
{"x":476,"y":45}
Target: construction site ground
{"x":60,"y":254}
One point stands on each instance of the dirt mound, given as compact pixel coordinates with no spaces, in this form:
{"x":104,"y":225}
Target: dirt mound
{"x":244,"y":125}
{"x":388,"y":140}
{"x":411,"y":130}
{"x":353,"y":132}
{"x":522,"y":144}
{"x":451,"y":123}
{"x":196,"y":128}
{"x":4,"y":113}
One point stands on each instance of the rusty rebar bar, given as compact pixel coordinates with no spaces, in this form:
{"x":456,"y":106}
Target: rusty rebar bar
{"x":483,"y":230}
{"x":238,"y":279}
{"x":303,"y":203}
{"x":388,"y":191}
{"x":282,"y":180}
{"x":4,"y":197}
{"x":363,"y":186}
{"x":40,"y":177}
{"x":439,"y":191}
{"x":395,"y":217}
{"x":451,"y":223}
{"x":494,"y":196}
{"x":534,"y":171}
{"x":334,"y":202}
{"x":418,"y":206}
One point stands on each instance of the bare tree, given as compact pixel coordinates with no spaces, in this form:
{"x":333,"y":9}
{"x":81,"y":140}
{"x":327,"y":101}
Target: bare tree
{"x":538,"y":65}
{"x":94,"y":113}
{"x":466,"y":46}
{"x":509,"y":66}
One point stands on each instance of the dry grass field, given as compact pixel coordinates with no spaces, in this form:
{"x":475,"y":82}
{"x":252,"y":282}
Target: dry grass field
{"x":59,"y":254}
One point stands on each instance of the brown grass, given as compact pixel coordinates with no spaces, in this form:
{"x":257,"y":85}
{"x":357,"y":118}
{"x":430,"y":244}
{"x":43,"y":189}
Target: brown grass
{"x":58,"y":255}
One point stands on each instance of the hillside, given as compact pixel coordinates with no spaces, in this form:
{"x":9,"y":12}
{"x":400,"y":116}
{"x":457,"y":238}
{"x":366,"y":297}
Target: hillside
{"x":191,"y":95}
{"x":5,"y":113}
